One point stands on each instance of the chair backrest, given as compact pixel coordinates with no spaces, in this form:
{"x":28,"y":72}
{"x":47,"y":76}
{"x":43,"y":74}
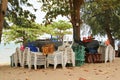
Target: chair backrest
{"x":102,"y":50}
{"x":19,"y":55}
{"x":26,"y":55}
{"x":61,"y":48}
{"x":69,"y":52}
{"x":109,"y":53}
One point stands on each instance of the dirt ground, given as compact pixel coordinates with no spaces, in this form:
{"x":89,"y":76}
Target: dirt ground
{"x":91,"y":71}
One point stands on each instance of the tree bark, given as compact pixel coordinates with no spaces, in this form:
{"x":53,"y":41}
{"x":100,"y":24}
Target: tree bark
{"x":3,"y":7}
{"x":75,"y":18}
{"x":109,"y":35}
{"x":107,"y":29}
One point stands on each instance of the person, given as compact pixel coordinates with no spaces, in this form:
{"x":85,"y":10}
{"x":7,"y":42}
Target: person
{"x":118,"y":49}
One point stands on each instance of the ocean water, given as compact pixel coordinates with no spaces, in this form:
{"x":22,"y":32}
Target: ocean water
{"x":6,"y":51}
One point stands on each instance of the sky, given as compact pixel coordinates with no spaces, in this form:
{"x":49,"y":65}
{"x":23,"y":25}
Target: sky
{"x":40,"y":14}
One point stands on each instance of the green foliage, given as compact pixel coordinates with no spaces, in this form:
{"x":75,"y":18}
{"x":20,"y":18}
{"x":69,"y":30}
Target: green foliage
{"x":15,"y":10}
{"x":47,"y":29}
{"x":61,"y":27}
{"x":102,"y":14}
{"x":53,"y":8}
{"x":23,"y":28}
{"x":67,"y":8}
{"x":22,"y":33}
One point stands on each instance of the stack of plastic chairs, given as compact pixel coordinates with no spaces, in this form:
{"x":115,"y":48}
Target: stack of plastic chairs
{"x":69,"y":56}
{"x":101,"y":50}
{"x":79,"y":54}
{"x":55,"y":59}
{"x":33,"y":58}
{"x":16,"y":58}
{"x":109,"y":53}
{"x":25,"y":58}
{"x":13,"y":59}
{"x":39,"y":59}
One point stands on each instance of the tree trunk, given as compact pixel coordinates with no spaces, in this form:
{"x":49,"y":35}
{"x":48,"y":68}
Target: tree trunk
{"x":107,"y":29}
{"x":3,"y":7}
{"x":75,"y":18}
{"x":109,"y":35}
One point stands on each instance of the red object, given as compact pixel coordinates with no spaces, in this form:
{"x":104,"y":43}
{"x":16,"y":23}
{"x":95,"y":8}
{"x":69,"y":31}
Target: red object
{"x":87,"y":40}
{"x":22,"y":48}
{"x":84,"y":39}
{"x":107,"y":42}
{"x":89,"y":37}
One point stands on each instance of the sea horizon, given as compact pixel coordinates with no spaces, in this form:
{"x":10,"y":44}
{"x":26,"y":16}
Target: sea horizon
{"x":6,"y":51}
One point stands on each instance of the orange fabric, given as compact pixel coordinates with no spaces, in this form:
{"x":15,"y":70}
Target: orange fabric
{"x":47,"y":49}
{"x":107,"y":42}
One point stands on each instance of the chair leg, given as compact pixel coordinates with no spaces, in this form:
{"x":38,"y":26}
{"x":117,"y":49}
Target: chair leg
{"x":15,"y":64}
{"x":47,"y":64}
{"x":29,"y":66}
{"x":35,"y":66}
{"x":12,"y":61}
{"x":55,"y":65}
{"x":73,"y":62}
{"x":94,"y":58}
{"x":89,"y":58}
{"x":99,"y":58}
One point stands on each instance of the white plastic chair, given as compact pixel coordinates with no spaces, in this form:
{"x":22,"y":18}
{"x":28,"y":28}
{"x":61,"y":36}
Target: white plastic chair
{"x":109,"y":53}
{"x":55,"y":59}
{"x":101,"y":50}
{"x":33,"y":58}
{"x":16,"y":57}
{"x":28,"y":58}
{"x":19,"y":56}
{"x":25,"y":57}
{"x":14,"y":60}
{"x":69,"y":56}
{"x":39,"y":59}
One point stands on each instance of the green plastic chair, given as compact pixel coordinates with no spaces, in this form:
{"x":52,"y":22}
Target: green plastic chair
{"x":79,"y":54}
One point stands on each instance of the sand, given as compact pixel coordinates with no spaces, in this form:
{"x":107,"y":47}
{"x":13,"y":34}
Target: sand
{"x":91,"y":71}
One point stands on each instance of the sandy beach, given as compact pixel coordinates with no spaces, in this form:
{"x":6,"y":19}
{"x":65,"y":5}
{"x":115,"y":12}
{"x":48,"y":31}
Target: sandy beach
{"x":91,"y":71}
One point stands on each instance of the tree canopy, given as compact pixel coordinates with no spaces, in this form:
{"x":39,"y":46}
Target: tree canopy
{"x":61,"y":28}
{"x":68,"y":8}
{"x":16,"y":10}
{"x":57,"y":28}
{"x":25,"y":31}
{"x":103,"y":17}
